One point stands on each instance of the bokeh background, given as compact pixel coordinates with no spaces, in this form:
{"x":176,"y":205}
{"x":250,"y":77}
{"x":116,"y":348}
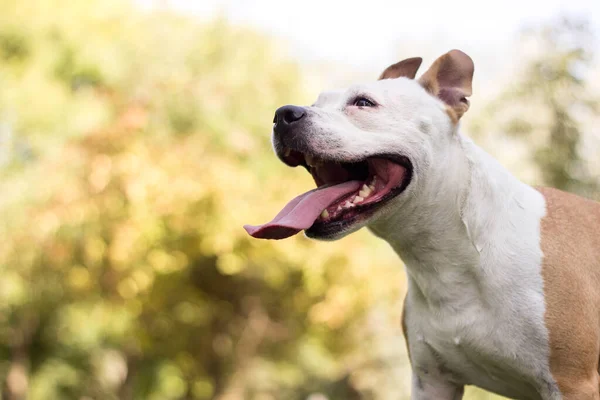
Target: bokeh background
{"x":134,"y":144}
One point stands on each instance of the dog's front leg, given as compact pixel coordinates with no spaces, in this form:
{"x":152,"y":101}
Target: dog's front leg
{"x":429,"y":376}
{"x":430,"y":388}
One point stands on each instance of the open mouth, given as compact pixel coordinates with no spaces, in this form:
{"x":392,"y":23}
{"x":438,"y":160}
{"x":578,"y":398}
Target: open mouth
{"x":346,"y":194}
{"x":381,"y":178}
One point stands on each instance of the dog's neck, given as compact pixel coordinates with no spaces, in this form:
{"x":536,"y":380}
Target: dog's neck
{"x":443,"y":235}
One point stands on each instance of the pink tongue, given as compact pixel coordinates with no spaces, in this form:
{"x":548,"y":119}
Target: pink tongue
{"x":301,"y":212}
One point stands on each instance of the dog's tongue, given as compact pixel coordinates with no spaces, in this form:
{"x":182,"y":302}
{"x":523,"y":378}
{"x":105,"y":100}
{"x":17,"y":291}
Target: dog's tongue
{"x":301,"y":212}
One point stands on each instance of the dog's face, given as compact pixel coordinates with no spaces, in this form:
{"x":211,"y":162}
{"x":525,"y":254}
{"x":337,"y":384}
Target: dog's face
{"x":380,"y":139}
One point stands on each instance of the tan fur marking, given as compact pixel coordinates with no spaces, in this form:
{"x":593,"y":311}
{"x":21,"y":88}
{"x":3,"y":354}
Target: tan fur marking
{"x":570,"y":234}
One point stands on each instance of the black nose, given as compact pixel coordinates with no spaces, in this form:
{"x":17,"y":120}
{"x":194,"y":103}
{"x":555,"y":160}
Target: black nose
{"x":287,"y":115}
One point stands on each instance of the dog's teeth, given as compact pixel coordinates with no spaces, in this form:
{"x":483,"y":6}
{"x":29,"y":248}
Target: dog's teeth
{"x":347,"y":204}
{"x":339,"y":208}
{"x":287,"y":152}
{"x":365,"y":191}
{"x":372,"y":184}
{"x":357,"y":199}
{"x":325,"y":214}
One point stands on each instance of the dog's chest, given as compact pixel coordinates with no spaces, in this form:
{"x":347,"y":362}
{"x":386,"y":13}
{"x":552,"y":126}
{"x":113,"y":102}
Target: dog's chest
{"x":497,"y":345}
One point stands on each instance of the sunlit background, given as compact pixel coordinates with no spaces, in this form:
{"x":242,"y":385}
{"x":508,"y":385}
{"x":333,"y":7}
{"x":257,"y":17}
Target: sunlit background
{"x":134,"y":144}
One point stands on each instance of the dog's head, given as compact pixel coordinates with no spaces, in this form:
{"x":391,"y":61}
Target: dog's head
{"x":369,"y":148}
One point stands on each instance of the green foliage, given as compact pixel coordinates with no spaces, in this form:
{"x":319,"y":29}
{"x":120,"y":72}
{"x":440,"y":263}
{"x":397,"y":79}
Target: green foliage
{"x":134,"y":147}
{"x":124,"y":269}
{"x":13,"y":46}
{"x":545,"y":106}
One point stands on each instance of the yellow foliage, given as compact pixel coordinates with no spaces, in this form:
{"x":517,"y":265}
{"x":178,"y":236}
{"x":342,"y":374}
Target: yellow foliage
{"x":147,"y":138}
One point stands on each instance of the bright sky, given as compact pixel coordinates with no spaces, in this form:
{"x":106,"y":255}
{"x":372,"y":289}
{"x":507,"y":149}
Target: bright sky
{"x":369,"y":34}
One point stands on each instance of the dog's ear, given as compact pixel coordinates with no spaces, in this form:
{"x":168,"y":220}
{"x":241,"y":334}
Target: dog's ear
{"x":407,"y":68}
{"x":449,"y":78}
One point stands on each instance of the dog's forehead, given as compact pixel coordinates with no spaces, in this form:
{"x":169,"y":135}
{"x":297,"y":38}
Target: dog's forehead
{"x":379,"y":90}
{"x":329,"y":97}
{"x":337,"y":96}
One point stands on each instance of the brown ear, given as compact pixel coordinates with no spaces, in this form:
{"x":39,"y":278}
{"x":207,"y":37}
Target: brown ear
{"x":450,"y":78}
{"x":407,"y":68}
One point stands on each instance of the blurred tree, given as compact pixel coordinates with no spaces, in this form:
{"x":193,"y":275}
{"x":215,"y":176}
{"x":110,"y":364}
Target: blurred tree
{"x":124,"y":270}
{"x":545,"y":106}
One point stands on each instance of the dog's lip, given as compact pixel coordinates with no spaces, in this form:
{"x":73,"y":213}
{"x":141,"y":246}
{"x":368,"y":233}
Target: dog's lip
{"x":291,"y":158}
{"x":296,"y":157}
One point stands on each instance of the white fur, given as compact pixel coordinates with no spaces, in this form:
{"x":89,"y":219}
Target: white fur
{"x":469,"y":234}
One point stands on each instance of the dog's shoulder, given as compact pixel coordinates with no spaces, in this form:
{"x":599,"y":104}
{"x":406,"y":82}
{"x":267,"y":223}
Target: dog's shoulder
{"x":570,"y":229}
{"x":571,"y":214}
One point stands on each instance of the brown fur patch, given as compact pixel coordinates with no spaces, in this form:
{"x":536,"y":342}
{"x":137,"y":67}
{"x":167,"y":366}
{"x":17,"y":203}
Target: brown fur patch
{"x":450,"y":79}
{"x":570,"y":234}
{"x":406,"y":68}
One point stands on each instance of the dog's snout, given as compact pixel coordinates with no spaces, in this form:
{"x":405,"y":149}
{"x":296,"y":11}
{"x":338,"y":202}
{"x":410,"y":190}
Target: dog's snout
{"x":288,"y":130}
{"x":287,"y":115}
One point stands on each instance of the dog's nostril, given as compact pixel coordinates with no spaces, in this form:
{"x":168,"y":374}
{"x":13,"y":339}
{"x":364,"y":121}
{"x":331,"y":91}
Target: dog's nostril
{"x":289,"y":114}
{"x":293,"y":115}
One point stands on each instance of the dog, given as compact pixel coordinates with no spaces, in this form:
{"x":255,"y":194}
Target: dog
{"x":503,"y":278}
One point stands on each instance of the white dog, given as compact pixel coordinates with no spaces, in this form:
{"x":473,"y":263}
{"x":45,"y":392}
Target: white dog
{"x":503,"y":278}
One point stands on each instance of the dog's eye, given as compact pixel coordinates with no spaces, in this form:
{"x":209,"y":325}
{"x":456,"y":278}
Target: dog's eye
{"x":362,"y":102}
